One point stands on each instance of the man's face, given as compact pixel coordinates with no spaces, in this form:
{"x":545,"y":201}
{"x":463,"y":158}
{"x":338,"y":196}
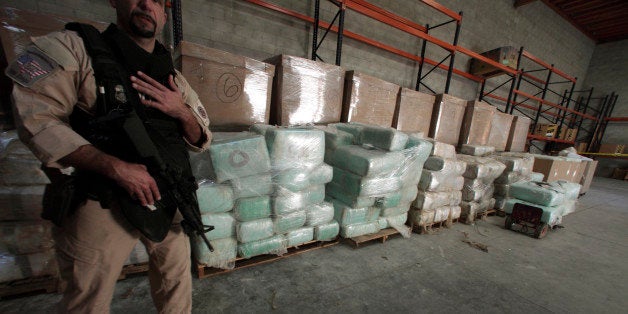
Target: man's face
{"x":142,"y":18}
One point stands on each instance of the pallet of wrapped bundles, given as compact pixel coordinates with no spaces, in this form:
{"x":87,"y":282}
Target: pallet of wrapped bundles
{"x":540,"y":206}
{"x":375,"y":179}
{"x":440,"y":186}
{"x":477,"y":194}
{"x":518,"y":168}
{"x":476,"y":150}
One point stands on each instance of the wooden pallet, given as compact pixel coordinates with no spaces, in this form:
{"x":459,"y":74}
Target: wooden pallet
{"x":204,"y":271}
{"x":29,"y":286}
{"x":433,"y":227}
{"x":478,"y":216}
{"x":382,"y":235}
{"x":499,"y":212}
{"x":132,"y":270}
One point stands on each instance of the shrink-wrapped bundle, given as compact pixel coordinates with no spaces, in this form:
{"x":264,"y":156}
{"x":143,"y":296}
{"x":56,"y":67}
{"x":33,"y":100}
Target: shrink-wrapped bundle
{"x":299,"y":236}
{"x":271,"y":245}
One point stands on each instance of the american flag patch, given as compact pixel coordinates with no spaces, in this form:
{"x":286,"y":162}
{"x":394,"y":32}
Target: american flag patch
{"x":30,"y":66}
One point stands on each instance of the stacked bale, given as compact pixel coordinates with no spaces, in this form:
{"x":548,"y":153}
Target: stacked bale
{"x":477,"y":194}
{"x":376,"y":171}
{"x":518,"y":168}
{"x":440,"y":188}
{"x":299,"y":211}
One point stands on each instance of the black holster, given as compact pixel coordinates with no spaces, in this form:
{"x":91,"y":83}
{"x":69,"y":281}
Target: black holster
{"x":61,"y":196}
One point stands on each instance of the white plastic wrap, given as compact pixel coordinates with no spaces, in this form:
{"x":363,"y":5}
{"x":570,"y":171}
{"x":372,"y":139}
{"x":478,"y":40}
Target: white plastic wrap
{"x":295,"y":148}
{"x":276,"y":245}
{"x":214,"y":198}
{"x":440,"y":182}
{"x":285,"y":201}
{"x":223,"y":256}
{"x":252,"y":208}
{"x":299,"y":178}
{"x":387,"y":139}
{"x":366,"y":162}
{"x":254,"y":230}
{"x":21,"y":202}
{"x":442,"y":213}
{"x":319,"y":214}
{"x":481,"y":167}
{"x":470,"y":209}
{"x":288,"y":222}
{"x":476,"y":150}
{"x":21,"y":266}
{"x":255,"y":185}
{"x":238,"y":154}
{"x":421,"y":217}
{"x":455,"y":213}
{"x":355,"y":230}
{"x":327,"y":232}
{"x":433,"y":200}
{"x":451,"y":167}
{"x":477,"y":189}
{"x":335,"y":138}
{"x":299,"y":236}
{"x":517,"y":162}
{"x":224,"y":225}
{"x":443,"y":150}
{"x":365,"y":186}
{"x":395,"y":211}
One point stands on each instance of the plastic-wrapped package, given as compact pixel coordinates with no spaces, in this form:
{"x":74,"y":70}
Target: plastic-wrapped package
{"x":511,"y":177}
{"x":299,"y":178}
{"x":447,"y":118}
{"x":238,"y":154}
{"x":476,"y":124}
{"x":569,"y":207}
{"x":500,"y":202}
{"x":224,"y":225}
{"x":24,"y":237}
{"x":395,"y":211}
{"x":139,"y":254}
{"x":327,"y":232}
{"x":538,"y":193}
{"x":536,"y":176}
{"x":442,"y":213}
{"x":285,"y":201}
{"x":472,"y":208}
{"x":290,"y":221}
{"x":336,"y":191}
{"x":21,"y":202}
{"x":346,"y":215}
{"x":480,"y":167}
{"x":319,"y":214}
{"x":413,"y":111}
{"x":252,"y":208}
{"x":416,"y":152}
{"x":21,"y":266}
{"x":260,"y":128}
{"x":442,"y":150}
{"x":289,"y":145}
{"x":455,"y":213}
{"x":306,"y":91}
{"x":476,"y":190}
{"x":299,"y":236}
{"x":365,"y":186}
{"x":384,"y":138}
{"x":439,"y":182}
{"x":254,"y":185}
{"x":518,"y":134}
{"x":433,"y":200}
{"x":518,"y":162}
{"x":502,"y":190}
{"x":214,"y":198}
{"x":223,"y":256}
{"x":572,"y":190}
{"x":368,"y":99}
{"x":397,"y":222}
{"x":274,"y":245}
{"x":352,"y":128}
{"x":335,"y":138}
{"x":366,"y":162}
{"x":447,"y":166}
{"x":552,"y":215}
{"x":409,"y":194}
{"x":421,"y":217}
{"x":355,"y":230}
{"x":500,"y":130}
{"x":391,"y":199}
{"x":476,"y":150}
{"x":254,"y":230}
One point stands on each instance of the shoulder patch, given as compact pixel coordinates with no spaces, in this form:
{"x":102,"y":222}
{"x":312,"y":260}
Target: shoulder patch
{"x":30,"y":67}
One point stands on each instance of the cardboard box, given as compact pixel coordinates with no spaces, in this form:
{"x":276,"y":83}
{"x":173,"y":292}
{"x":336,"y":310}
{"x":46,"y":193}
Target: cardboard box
{"x":518,"y":134}
{"x":447,"y":118}
{"x":587,"y":175}
{"x":547,"y":130}
{"x":305,"y":91}
{"x":18,"y":26}
{"x":612,"y":149}
{"x":234,"y":90}
{"x":500,"y":131}
{"x":413,"y":112}
{"x":558,"y":168}
{"x":369,"y":100}
{"x":568,"y":134}
{"x":476,"y":125}
{"x":505,"y":55}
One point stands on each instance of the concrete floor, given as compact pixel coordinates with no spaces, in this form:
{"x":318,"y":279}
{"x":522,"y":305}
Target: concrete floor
{"x":581,"y":268}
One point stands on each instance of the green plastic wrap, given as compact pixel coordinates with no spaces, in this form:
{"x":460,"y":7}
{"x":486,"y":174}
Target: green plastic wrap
{"x":236,"y":155}
{"x":435,"y":181}
{"x":395,"y":211}
{"x":224,"y":225}
{"x":475,"y":150}
{"x":540,"y":193}
{"x":285,"y":201}
{"x":335,"y":138}
{"x":387,"y":139}
{"x":287,"y":146}
{"x":214,"y":198}
{"x":433,"y":200}
{"x":335,"y":191}
{"x":327,"y":232}
{"x":352,"y":128}
{"x":569,"y":207}
{"x":275,"y":245}
{"x":252,"y":208}
{"x":355,"y":230}
{"x":299,"y":178}
{"x":572,"y":190}
{"x":256,"y":185}
{"x":536,"y":176}
{"x":366,"y":162}
{"x":421,"y":217}
{"x":391,"y":199}
{"x":299,"y":236}
{"x":223,"y":256}
{"x":552,"y":215}
{"x":346,"y":215}
{"x":261,"y":128}
{"x":318,"y":214}
{"x":482,"y":167}
{"x":416,"y":152}
{"x":290,"y":221}
{"x":254,"y":230}
{"x":365,"y":186}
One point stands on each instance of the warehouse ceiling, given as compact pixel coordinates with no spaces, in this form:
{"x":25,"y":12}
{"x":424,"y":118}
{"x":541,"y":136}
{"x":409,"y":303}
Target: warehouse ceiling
{"x":602,"y":20}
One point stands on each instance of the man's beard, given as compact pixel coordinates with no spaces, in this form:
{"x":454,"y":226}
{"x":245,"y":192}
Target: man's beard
{"x":150,"y":33}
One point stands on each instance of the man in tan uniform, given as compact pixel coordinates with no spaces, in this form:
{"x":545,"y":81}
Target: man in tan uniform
{"x":94,"y":242}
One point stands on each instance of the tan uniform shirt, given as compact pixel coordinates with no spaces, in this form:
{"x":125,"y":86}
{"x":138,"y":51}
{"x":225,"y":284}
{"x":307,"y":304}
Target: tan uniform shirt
{"x":44,"y":108}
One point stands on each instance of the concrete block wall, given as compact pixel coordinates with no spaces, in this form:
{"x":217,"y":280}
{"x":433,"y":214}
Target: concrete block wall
{"x":607,"y":73}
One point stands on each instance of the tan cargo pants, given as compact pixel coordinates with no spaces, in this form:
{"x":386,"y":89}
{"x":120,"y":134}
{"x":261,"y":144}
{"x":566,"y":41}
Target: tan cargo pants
{"x":92,"y":248}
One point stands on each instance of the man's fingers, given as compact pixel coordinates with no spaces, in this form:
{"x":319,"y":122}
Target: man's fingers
{"x":154,"y":190}
{"x":141,"y":197}
{"x":151,"y":81}
{"x":173,"y":86}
